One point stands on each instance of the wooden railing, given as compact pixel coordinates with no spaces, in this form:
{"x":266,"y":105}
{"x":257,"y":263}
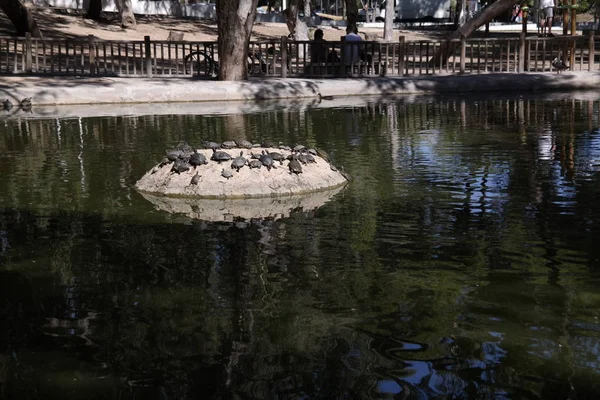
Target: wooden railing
{"x":285,"y":58}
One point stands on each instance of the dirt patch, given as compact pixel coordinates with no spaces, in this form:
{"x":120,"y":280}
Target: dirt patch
{"x":72,"y":24}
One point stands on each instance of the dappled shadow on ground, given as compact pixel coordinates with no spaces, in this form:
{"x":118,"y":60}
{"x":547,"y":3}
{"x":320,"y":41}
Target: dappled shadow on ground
{"x":501,"y":82}
{"x":51,"y":21}
{"x":58,"y":24}
{"x":261,"y":90}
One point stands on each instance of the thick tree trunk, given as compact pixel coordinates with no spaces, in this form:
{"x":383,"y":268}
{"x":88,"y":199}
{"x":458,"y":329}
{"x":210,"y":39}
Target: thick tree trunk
{"x":20,"y":17}
{"x":306,"y":8}
{"x":94,"y":9}
{"x":235,"y":19}
{"x":490,"y":12}
{"x":298,"y":29}
{"x":390,"y":15}
{"x":126,"y":12}
{"x":351,"y":13}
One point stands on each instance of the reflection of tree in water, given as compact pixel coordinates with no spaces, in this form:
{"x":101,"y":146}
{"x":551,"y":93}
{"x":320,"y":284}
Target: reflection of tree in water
{"x":447,"y":267}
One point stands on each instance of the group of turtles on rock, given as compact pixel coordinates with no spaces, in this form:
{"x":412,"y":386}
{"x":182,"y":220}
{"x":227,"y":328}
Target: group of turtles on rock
{"x":184,"y":157}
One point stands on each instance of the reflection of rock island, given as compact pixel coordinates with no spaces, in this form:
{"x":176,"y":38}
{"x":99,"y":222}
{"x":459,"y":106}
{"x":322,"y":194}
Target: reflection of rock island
{"x":245,"y":209}
{"x":211,"y":181}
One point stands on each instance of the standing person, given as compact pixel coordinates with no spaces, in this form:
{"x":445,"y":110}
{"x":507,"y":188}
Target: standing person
{"x":546,"y":15}
{"x":351,"y":50}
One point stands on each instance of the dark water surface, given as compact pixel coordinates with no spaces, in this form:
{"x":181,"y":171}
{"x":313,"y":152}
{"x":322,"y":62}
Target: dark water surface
{"x":463,"y":261}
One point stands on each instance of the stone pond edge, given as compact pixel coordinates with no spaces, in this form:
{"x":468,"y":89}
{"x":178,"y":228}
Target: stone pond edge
{"x":46,"y":91}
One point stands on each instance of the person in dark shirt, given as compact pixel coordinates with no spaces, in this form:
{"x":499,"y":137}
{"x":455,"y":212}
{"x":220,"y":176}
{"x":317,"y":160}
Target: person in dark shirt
{"x":318,"y":48}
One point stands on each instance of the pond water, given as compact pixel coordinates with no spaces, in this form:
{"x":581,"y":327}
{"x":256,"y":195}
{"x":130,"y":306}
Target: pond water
{"x":462,"y":261}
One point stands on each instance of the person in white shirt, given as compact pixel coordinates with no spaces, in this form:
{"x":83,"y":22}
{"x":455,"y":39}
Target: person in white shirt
{"x":546,"y":15}
{"x":352,"y":50}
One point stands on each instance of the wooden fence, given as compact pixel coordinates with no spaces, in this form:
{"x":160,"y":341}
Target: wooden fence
{"x":284,"y":58}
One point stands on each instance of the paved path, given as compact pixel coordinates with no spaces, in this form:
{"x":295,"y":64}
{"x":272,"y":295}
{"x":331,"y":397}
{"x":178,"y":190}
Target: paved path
{"x":63,"y":91}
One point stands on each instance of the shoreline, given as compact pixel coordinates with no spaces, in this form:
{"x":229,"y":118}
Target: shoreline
{"x":62,"y":91}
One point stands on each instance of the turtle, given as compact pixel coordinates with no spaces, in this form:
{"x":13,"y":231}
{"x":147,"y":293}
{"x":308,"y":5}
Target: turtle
{"x":180,"y":166}
{"x":227,"y":173}
{"x":186,"y":154}
{"x":277,"y":157}
{"x":267,"y":143}
{"x":302,"y":159}
{"x":7,"y":105}
{"x":322,"y":154}
{"x":254,"y":163}
{"x":25,"y":104}
{"x":313,"y":152}
{"x":306,"y":158}
{"x":164,"y":162}
{"x":155,"y":170}
{"x":173,"y":155}
{"x":238,"y":162}
{"x":299,"y":148}
{"x":220,"y":156}
{"x":197,"y":159}
{"x":309,"y":158}
{"x":255,"y":156}
{"x":184,"y":157}
{"x":211,"y":145}
{"x":230,"y":144}
{"x":286,"y":148}
{"x":185,"y":148}
{"x":244,"y":144}
{"x":295,"y":166}
{"x":195,"y":179}
{"x":256,"y":145}
{"x":267,"y":160}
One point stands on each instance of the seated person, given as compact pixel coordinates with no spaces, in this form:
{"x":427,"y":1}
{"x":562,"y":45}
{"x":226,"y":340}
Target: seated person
{"x":352,"y":49}
{"x":318,"y":48}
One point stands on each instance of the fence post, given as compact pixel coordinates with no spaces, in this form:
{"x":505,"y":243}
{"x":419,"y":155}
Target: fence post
{"x":28,"y":55}
{"x":92,"y":54}
{"x":402,"y":40}
{"x":284,"y":56}
{"x":591,"y":55}
{"x":148,"y":56}
{"x":343,"y":57}
{"x":522,"y":52}
{"x":463,"y":53}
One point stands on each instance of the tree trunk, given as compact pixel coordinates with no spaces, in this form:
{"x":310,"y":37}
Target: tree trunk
{"x":388,"y":27}
{"x":94,"y":9}
{"x":20,"y":17}
{"x":235,"y":19}
{"x":306,"y":9}
{"x":490,"y":12}
{"x":365,"y":7}
{"x":462,"y":16}
{"x":298,"y":29}
{"x":126,"y":12}
{"x":351,"y":13}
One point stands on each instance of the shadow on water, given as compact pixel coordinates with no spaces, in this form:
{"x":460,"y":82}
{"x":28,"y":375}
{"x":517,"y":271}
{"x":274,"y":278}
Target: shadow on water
{"x":461,"y":261}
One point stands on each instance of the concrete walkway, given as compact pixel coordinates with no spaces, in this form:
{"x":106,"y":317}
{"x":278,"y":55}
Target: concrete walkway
{"x":70,"y":91}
